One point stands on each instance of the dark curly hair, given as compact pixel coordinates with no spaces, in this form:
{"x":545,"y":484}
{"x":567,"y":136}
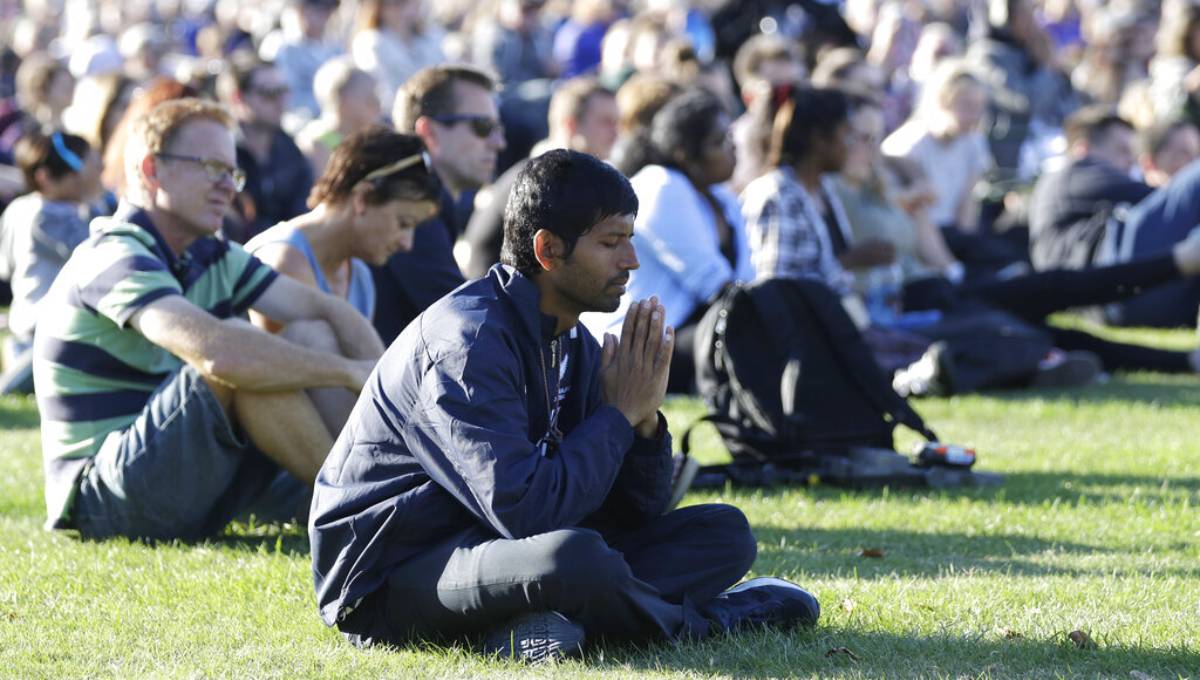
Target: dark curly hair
{"x":566,"y":193}
{"x":364,"y":152}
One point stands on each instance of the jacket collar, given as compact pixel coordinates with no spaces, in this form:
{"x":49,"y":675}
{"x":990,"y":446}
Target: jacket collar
{"x":526,"y":297}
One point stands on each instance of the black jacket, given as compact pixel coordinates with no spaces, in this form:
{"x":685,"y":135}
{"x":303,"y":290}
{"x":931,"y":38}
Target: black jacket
{"x":448,"y":435}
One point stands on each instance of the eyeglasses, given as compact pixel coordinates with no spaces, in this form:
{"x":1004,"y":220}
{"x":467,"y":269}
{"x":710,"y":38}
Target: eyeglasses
{"x":852,"y":136}
{"x":482,"y":126}
{"x":402,"y":164}
{"x":270,"y":92}
{"x":216,"y":170}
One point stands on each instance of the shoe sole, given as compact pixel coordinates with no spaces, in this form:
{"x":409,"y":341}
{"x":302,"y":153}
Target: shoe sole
{"x":537,"y":638}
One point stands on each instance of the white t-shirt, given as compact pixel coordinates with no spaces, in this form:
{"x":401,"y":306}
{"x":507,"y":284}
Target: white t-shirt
{"x":951,"y":166}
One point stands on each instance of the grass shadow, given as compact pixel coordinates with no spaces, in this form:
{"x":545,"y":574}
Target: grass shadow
{"x":17,"y":412}
{"x":1164,"y":390}
{"x":836,"y":553}
{"x":837,"y":650}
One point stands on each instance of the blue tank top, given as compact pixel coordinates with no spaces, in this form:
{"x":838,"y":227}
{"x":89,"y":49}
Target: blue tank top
{"x":361,"y":292}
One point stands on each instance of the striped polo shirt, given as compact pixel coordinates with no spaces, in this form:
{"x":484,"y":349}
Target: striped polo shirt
{"x":93,"y":372}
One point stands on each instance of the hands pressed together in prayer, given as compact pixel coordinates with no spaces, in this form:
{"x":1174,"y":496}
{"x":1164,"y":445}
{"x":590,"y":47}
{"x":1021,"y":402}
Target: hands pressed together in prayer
{"x":634,"y":369}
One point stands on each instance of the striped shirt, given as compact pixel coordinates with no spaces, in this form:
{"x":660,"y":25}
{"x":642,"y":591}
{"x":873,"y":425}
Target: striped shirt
{"x":93,"y":372}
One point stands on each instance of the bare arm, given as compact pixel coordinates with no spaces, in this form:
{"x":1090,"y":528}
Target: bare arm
{"x":967,"y":216}
{"x":931,"y":247}
{"x":288,"y":300}
{"x":235,"y":353}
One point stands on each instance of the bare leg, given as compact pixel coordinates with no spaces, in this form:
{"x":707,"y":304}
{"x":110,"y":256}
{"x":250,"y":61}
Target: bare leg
{"x":287,"y":428}
{"x":290,"y":427}
{"x":283,"y":425}
{"x":333,"y":403}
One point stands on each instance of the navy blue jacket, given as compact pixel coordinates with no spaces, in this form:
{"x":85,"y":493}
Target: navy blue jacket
{"x":448,"y":435}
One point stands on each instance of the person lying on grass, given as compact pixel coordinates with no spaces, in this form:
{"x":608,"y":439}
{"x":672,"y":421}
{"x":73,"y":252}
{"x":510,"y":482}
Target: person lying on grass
{"x":164,"y":415}
{"x":504,"y":476}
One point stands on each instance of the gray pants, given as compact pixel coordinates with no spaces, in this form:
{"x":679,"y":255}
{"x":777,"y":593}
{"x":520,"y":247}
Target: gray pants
{"x":638,"y":584}
{"x":181,"y":471}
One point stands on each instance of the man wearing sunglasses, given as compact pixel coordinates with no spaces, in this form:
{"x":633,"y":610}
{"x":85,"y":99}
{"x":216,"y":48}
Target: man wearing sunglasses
{"x":164,"y":414}
{"x":278,"y":177}
{"x":453,"y":110}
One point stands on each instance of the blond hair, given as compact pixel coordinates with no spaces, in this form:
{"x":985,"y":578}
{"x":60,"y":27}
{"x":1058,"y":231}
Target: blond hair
{"x":950,"y":78}
{"x":154,"y":131}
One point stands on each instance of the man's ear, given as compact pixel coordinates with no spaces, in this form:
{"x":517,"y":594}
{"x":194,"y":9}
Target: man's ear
{"x":425,"y":129}
{"x":548,"y":249}
{"x":149,"y":168}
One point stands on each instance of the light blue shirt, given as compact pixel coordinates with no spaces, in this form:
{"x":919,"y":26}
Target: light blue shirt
{"x":678,"y":248}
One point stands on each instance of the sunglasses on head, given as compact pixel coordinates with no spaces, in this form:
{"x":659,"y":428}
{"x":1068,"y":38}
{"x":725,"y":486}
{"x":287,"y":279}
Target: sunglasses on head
{"x":482,"y":126}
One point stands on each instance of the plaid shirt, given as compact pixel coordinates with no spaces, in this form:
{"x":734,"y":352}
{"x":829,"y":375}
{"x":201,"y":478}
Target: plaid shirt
{"x":788,"y":235}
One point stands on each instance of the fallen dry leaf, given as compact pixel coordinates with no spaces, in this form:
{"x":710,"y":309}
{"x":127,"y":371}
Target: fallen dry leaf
{"x":1082,"y":640}
{"x":871,"y":552}
{"x":848,"y":605}
{"x":841,"y":650}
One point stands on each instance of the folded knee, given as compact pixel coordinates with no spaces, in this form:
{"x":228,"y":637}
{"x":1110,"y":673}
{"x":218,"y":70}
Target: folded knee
{"x":579,"y":558}
{"x":315,"y":334}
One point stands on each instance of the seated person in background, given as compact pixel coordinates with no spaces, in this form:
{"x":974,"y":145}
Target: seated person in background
{"x":278,"y":177}
{"x":943,"y":139}
{"x":691,"y":243}
{"x":453,"y":110}
{"x":1165,"y":149}
{"x":38,"y":233}
{"x":164,"y":415}
{"x":349,"y":103}
{"x":374,"y":192}
{"x":1167,"y":217}
{"x":793,"y":235}
{"x":1071,"y":206}
{"x":583,"y":117}
{"x":877,"y":209}
{"x":637,"y":101}
{"x":763,"y":63}
{"x":503,"y":474}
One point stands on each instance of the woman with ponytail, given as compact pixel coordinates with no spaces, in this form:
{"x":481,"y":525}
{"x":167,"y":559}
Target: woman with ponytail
{"x":690,"y":240}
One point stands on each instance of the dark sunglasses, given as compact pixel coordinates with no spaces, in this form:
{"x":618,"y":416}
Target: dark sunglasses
{"x":271,"y":92}
{"x":482,"y":126}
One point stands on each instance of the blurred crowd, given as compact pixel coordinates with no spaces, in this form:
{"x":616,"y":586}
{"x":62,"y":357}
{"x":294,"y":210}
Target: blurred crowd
{"x":978,"y":140}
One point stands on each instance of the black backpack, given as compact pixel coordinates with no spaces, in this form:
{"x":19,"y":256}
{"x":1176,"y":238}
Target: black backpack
{"x":783,"y":370}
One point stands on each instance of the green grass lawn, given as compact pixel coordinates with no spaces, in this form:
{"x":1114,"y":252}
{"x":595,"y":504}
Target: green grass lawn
{"x":1095,"y":530}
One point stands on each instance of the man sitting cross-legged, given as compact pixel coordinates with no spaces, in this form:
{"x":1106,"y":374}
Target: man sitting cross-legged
{"x":164,"y":415}
{"x":501,"y":474}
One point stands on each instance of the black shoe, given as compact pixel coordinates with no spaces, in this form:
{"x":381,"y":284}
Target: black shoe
{"x":764,"y":601}
{"x":536,"y":638}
